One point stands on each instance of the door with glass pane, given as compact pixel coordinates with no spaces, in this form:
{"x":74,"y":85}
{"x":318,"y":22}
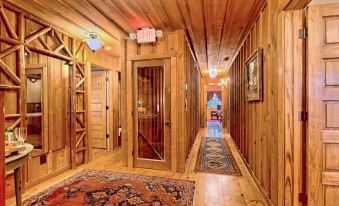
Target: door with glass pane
{"x":152,"y":98}
{"x":36,"y":107}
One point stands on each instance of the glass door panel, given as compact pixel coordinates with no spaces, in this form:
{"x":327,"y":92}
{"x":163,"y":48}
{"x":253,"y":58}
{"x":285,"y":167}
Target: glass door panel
{"x":152,"y":106}
{"x":34,"y":109}
{"x":150,"y":112}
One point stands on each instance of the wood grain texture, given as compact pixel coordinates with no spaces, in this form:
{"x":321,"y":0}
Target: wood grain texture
{"x":292,"y":82}
{"x":322,"y":98}
{"x":2,"y":148}
{"x":215,"y":27}
{"x":184,"y":122}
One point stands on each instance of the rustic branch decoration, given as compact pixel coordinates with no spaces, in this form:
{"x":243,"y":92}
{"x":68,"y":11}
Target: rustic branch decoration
{"x":9,"y":73}
{"x":8,"y":27}
{"x":22,"y":46}
{"x":37,"y":34}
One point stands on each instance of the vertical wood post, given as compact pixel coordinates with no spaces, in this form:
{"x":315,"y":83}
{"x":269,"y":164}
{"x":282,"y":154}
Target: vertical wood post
{"x":2,"y":148}
{"x":73,"y":115}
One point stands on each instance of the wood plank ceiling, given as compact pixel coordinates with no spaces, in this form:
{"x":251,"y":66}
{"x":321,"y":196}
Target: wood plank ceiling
{"x":215,"y":27}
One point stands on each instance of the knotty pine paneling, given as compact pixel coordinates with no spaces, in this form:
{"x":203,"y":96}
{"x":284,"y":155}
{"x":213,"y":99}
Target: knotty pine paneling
{"x":253,"y":124}
{"x":184,"y":121}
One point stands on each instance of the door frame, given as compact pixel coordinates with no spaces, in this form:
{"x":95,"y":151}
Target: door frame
{"x":148,"y":163}
{"x":109,"y":103}
{"x":42,"y":69}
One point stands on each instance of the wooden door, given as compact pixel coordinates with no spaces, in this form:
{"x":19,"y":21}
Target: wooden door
{"x":152,"y":121}
{"x":2,"y":148}
{"x":323,"y":105}
{"x":98,"y":109}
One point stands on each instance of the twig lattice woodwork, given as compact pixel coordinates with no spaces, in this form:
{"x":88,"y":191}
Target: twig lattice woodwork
{"x":17,"y":44}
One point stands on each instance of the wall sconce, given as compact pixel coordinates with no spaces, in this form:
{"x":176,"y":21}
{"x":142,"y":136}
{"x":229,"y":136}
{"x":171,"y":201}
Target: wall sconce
{"x":93,"y":42}
{"x":212,"y":73}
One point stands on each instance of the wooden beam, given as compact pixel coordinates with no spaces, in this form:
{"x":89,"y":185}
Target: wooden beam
{"x":79,"y":68}
{"x":9,"y":51}
{"x":80,"y":83}
{"x":80,"y":122}
{"x":44,"y":44}
{"x":37,"y":34}
{"x":58,"y":48}
{"x":78,"y":52}
{"x":58,"y":37}
{"x":9,"y":40}
{"x":8,"y":27}
{"x":2,"y":148}
{"x":9,"y":73}
{"x":48,"y":53}
{"x":81,"y":138}
{"x":294,"y":4}
{"x":9,"y":87}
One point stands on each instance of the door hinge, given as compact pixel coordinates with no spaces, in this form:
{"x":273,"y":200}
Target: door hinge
{"x":107,"y":107}
{"x":302,"y":116}
{"x":302,"y":198}
{"x":107,"y":79}
{"x":303,"y":33}
{"x":107,"y":136}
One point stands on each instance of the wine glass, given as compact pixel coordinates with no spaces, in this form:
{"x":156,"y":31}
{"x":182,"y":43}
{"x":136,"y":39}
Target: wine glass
{"x":16,"y":134}
{"x":23,"y":134}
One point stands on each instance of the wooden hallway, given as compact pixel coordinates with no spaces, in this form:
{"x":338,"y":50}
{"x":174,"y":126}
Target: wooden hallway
{"x":211,"y":189}
{"x":169,"y":102}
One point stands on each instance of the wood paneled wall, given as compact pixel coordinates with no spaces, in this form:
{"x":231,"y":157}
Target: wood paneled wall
{"x":27,"y":41}
{"x":2,"y":148}
{"x":184,"y":124}
{"x":253,"y":125}
{"x":188,"y":120}
{"x":267,"y":132}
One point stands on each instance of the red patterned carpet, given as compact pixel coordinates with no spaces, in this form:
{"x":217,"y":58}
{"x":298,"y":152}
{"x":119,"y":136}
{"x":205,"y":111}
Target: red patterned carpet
{"x":101,"y":188}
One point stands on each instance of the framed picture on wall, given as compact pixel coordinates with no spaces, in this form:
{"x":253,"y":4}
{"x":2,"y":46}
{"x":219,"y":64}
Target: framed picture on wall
{"x":254,"y":76}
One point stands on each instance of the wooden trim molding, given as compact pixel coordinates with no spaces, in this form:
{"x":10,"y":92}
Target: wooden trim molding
{"x":2,"y":148}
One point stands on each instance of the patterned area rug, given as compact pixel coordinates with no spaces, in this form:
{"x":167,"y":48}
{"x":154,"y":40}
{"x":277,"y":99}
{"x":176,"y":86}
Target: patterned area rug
{"x":101,"y":188}
{"x":215,"y":157}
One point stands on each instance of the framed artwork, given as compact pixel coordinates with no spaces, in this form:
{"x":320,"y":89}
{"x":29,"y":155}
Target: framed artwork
{"x":254,"y":76}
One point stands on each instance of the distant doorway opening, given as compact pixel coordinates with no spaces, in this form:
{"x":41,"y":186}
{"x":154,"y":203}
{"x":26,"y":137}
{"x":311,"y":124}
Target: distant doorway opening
{"x":214,"y":110}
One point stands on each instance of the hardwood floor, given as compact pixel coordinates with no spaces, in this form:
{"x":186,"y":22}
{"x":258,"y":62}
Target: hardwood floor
{"x":211,"y":189}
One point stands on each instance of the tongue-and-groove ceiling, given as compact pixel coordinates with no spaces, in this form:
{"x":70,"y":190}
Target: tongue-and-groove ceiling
{"x":214,"y":26}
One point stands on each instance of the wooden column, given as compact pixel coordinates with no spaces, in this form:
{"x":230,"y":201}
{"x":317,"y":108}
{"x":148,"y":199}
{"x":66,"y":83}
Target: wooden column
{"x":2,"y":148}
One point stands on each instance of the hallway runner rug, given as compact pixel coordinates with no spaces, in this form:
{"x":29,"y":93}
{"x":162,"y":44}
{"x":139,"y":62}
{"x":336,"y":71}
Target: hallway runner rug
{"x":96,"y":187}
{"x":215,"y":157}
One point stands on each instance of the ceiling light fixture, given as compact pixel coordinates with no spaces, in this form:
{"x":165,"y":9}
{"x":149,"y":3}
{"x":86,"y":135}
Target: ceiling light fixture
{"x":93,"y":42}
{"x":212,"y":73}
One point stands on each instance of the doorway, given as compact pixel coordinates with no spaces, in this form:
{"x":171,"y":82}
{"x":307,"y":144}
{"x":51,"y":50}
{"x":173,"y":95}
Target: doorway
{"x":214,"y":110}
{"x":152,"y":108}
{"x":99,"y":109}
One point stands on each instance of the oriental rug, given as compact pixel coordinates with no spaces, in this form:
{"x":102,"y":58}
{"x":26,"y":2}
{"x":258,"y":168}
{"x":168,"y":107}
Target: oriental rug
{"x":101,"y":188}
{"x":215,"y":157}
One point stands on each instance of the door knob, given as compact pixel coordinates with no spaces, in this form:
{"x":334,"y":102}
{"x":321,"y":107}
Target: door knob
{"x":167,"y":122}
